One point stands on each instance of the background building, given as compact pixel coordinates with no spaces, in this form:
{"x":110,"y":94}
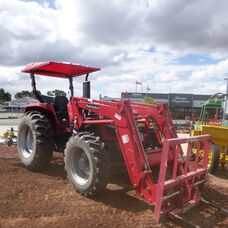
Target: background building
{"x":18,"y":105}
{"x":181,"y":105}
{"x":106,"y":98}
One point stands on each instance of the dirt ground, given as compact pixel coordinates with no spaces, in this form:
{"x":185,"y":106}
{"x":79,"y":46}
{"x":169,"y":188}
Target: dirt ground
{"x":46,"y":199}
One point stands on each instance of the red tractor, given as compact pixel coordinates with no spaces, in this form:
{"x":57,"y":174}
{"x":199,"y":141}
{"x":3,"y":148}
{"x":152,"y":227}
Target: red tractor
{"x":93,"y":133}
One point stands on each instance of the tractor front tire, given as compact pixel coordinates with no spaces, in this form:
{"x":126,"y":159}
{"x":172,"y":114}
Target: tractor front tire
{"x":86,"y":164}
{"x":213,"y":162}
{"x":35,"y":141}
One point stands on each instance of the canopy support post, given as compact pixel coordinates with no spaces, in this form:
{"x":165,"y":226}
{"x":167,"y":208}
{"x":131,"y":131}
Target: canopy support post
{"x":37,"y":95}
{"x":71,"y":86}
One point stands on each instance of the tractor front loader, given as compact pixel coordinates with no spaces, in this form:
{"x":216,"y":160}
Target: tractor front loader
{"x":94,"y":133}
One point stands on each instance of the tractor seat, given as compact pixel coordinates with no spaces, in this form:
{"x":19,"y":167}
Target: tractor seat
{"x":60,"y":105}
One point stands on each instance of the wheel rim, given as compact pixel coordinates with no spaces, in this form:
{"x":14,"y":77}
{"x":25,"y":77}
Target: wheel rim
{"x":26,"y":141}
{"x":80,"y":166}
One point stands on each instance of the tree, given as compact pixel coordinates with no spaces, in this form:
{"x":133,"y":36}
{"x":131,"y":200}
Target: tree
{"x":25,"y":93}
{"x":4,"y":96}
{"x":7,"y":96}
{"x":56,"y":92}
{"x":149,"y":100}
{"x":49,"y":93}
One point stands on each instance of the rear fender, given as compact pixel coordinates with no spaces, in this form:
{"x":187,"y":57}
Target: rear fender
{"x":46,"y":109}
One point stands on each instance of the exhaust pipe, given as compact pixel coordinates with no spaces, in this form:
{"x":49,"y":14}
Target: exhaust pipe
{"x":86,"y":89}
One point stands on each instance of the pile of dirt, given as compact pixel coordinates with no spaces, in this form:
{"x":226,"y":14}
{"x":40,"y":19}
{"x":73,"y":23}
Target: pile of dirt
{"x":47,"y":199}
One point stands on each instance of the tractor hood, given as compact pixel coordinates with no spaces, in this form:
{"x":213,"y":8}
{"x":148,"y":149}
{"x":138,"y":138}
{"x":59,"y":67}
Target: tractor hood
{"x":58,"y":69}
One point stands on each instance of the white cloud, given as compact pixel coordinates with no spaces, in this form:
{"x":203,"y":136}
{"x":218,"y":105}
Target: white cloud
{"x":216,"y":71}
{"x":116,"y":35}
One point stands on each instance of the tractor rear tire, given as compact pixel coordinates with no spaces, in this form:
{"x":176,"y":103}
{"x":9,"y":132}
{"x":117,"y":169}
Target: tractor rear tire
{"x":35,"y":141}
{"x":214,"y":162}
{"x":86,"y":164}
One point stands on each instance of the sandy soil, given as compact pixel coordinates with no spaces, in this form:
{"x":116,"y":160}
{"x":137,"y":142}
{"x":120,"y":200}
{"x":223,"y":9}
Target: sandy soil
{"x":46,"y":199}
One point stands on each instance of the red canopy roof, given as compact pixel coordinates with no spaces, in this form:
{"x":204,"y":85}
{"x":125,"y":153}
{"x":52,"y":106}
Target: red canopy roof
{"x":58,"y":69}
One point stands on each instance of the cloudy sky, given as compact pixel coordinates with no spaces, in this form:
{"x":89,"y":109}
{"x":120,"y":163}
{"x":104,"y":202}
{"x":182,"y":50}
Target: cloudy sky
{"x":171,"y":46}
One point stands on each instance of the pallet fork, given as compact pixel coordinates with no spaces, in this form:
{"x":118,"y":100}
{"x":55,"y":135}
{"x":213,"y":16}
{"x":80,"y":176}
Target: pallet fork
{"x":185,"y":182}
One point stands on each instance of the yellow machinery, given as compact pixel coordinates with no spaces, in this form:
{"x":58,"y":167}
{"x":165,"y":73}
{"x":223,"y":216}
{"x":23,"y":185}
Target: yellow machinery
{"x":217,"y":129}
{"x":219,"y":149}
{"x":8,"y":138}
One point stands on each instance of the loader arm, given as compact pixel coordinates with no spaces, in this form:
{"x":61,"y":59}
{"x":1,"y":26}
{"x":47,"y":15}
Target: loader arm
{"x":175,"y":191}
